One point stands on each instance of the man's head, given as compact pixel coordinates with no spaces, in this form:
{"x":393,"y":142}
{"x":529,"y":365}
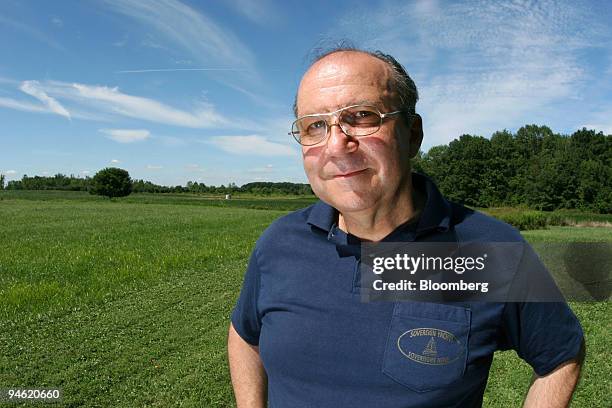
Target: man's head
{"x":364,"y":172}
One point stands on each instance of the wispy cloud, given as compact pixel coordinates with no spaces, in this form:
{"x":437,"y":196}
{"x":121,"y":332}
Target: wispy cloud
{"x":122,"y":42}
{"x":482,"y":66}
{"x":151,"y":43}
{"x":31,"y":32}
{"x":34,"y":89}
{"x":115,"y":161}
{"x":140,"y":71}
{"x":145,"y":108}
{"x":193,"y":167}
{"x":261,"y":12}
{"x":10,"y":172}
{"x":189,"y":29}
{"x":154,"y":167}
{"x":58,"y":22}
{"x":126,"y":135}
{"x":267,"y":169}
{"x":251,"y":145}
{"x":22,"y":106}
{"x":98,"y":102}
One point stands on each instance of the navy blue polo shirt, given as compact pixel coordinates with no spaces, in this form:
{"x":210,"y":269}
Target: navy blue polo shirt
{"x":321,"y":346}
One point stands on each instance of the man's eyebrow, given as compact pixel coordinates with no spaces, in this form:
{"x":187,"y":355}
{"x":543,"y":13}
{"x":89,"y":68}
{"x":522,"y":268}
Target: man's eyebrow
{"x":351,"y":103}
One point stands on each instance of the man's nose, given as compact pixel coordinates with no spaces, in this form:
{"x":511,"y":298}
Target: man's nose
{"x":339,"y":142}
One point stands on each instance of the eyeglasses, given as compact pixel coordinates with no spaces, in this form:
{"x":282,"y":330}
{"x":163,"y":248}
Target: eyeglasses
{"x":354,"y":120}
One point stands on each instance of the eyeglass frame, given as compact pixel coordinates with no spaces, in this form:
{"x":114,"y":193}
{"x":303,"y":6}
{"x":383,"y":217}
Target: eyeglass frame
{"x":328,"y":126}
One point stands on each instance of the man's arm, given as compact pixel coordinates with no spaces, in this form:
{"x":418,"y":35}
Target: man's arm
{"x":556,"y":388}
{"x":249,"y":378}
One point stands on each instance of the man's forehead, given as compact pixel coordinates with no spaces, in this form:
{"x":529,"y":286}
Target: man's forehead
{"x":350,"y":77}
{"x":347,"y":65}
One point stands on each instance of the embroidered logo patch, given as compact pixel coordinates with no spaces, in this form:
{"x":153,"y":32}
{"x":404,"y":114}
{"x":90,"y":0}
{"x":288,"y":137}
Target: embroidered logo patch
{"x":431,"y":346}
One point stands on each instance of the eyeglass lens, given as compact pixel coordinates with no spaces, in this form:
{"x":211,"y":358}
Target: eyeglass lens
{"x":354,"y":121}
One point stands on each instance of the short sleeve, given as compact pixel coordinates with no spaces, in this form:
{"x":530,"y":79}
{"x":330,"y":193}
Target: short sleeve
{"x":537,"y":322}
{"x":544,"y":334}
{"x":245,"y":316}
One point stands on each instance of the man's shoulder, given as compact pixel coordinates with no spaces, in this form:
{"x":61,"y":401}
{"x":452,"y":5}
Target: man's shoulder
{"x":285,"y":228}
{"x":474,"y":225}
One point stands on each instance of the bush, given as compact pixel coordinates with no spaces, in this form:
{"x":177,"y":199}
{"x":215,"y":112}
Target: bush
{"x":528,"y":220}
{"x":112,"y":182}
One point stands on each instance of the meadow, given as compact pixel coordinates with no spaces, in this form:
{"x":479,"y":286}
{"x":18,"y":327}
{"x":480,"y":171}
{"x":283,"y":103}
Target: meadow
{"x":126,"y":303}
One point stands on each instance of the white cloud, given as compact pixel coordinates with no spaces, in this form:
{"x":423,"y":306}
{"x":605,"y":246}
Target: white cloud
{"x":34,"y":89}
{"x":141,"y":71}
{"x":126,"y":135}
{"x":192,"y":167}
{"x":11,"y":172}
{"x":36,"y":108}
{"x":188,"y":29}
{"x":22,"y":106}
{"x":483,"y":66}
{"x":182,"y":29}
{"x":122,"y":42}
{"x":251,"y":145}
{"x":151,"y":43}
{"x":85,"y":172}
{"x":57,"y":22}
{"x":143,"y":108}
{"x":115,"y":161}
{"x":102,"y":102}
{"x":262,"y":12}
{"x":268,"y":168}
{"x":154,"y":167}
{"x":30,"y":31}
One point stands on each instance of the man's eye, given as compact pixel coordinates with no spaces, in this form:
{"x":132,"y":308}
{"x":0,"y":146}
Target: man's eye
{"x":363,"y":114}
{"x":316,"y":126}
{"x":361,"y":118}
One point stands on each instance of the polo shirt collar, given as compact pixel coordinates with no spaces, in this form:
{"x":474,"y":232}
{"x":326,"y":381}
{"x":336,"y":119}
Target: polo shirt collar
{"x":436,"y":215}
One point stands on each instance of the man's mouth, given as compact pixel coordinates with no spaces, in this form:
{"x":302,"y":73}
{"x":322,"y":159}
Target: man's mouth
{"x":349,"y":174}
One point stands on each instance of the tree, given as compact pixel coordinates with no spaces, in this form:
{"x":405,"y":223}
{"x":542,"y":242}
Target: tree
{"x":1,"y":181}
{"x":112,"y":182}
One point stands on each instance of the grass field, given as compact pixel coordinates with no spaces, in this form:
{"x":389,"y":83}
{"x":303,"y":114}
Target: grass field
{"x":127,"y":303}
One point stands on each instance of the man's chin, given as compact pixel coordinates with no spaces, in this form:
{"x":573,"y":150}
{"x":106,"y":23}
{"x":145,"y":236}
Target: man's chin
{"x":350,"y":202}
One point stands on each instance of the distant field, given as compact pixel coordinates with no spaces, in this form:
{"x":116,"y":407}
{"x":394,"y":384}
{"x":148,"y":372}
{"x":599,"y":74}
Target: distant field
{"x":126,"y":303}
{"x":280,"y":202}
{"x":526,"y":219}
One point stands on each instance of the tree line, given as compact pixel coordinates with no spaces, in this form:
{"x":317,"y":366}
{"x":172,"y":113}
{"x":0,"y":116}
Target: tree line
{"x":533,"y":167}
{"x":72,"y":183}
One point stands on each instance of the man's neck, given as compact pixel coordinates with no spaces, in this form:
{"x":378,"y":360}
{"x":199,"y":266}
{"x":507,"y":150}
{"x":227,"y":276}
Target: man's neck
{"x":374,"y":225}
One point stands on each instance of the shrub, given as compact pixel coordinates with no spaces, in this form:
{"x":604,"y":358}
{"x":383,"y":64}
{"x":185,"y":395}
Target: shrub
{"x":528,"y":220}
{"x":112,"y":182}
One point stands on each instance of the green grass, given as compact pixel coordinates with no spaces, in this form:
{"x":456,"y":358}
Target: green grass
{"x":280,"y":203}
{"x":126,"y":303}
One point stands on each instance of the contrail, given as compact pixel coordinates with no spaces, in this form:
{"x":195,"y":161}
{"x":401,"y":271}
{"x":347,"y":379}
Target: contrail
{"x":138,"y":71}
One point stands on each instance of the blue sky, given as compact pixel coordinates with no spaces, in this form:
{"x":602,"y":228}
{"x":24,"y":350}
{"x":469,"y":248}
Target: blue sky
{"x":175,"y":91}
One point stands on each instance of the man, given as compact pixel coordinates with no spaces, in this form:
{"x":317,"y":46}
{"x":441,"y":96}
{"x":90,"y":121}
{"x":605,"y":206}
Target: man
{"x":300,"y":334}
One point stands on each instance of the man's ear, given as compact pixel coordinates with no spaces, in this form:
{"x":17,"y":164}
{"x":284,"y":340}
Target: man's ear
{"x":416,"y":134}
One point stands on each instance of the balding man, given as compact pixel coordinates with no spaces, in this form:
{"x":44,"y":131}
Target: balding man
{"x":301,"y":335}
